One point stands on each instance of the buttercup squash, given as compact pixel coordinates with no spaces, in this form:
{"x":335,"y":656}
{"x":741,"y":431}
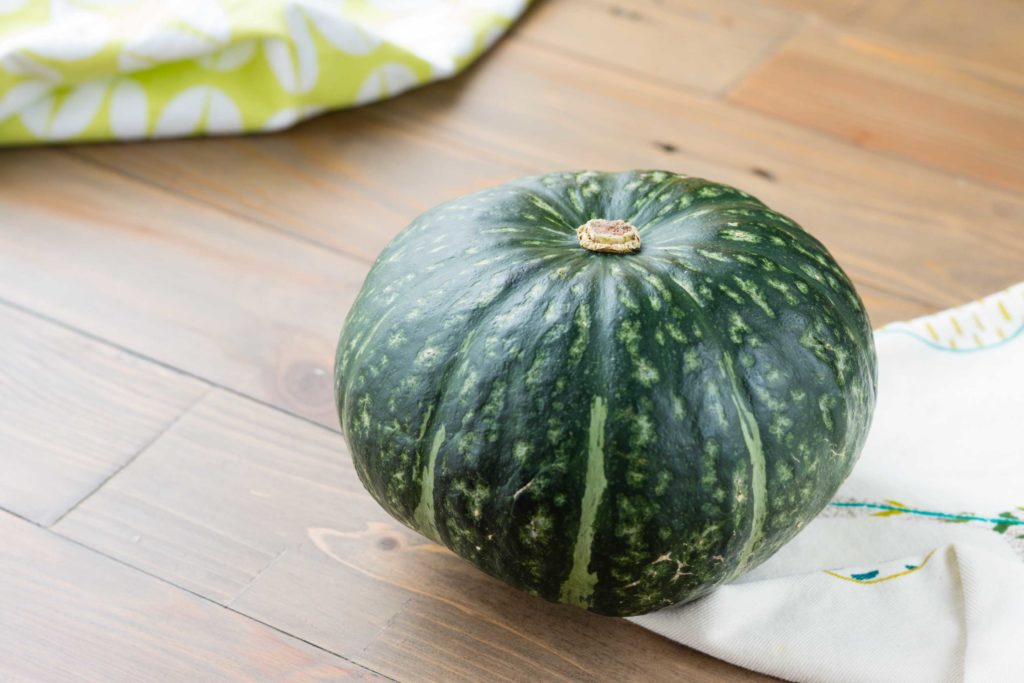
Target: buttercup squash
{"x":614,"y":390}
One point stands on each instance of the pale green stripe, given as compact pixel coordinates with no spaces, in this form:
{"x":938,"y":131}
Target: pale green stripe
{"x":579,"y":586}
{"x":758,"y":479}
{"x":426,"y":520}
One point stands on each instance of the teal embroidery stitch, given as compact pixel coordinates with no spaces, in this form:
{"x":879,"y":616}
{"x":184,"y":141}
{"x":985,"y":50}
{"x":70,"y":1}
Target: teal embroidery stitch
{"x":1001,"y":524}
{"x":939,"y":347}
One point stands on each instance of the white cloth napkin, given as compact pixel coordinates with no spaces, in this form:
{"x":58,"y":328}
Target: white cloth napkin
{"x":914,"y":572}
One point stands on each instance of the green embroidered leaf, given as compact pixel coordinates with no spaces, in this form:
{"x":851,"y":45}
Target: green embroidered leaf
{"x":896,"y":503}
{"x":888,"y":513}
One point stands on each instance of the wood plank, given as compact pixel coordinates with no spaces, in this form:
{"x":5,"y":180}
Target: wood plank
{"x":689,"y":43}
{"x":67,"y":613}
{"x":836,"y":10}
{"x":917,"y":233}
{"x":348,"y":181}
{"x":74,"y":411}
{"x":267,"y":515}
{"x":239,"y":304}
{"x":882,"y":96}
{"x":984,"y":34}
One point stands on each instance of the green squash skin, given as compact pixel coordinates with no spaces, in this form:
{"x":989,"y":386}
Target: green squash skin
{"x":620,"y":432}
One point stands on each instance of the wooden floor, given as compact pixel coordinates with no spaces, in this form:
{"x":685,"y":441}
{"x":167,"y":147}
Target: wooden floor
{"x":177,"y":503}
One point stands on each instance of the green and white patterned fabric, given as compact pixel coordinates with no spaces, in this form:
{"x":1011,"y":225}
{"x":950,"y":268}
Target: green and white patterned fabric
{"x":75,"y":70}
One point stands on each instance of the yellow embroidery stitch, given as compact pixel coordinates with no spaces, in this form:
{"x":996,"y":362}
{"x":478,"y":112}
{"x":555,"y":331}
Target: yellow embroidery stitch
{"x":883,"y":578}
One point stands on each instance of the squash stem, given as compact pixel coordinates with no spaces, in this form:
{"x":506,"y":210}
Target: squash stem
{"x":605,"y":236}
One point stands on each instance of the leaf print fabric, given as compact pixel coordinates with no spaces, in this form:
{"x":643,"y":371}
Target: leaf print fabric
{"x":77,"y":70}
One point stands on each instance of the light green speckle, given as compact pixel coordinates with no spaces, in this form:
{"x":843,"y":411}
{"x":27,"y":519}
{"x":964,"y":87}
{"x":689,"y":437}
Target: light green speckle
{"x":678,"y":407}
{"x":427,"y":356}
{"x":714,"y":255}
{"x":737,"y":328}
{"x":520,"y":451}
{"x":629,"y":336}
{"x":534,"y":374}
{"x":826,"y":403}
{"x":574,"y":199}
{"x":644,"y":372}
{"x":756,"y":295}
{"x":732,"y":294}
{"x":675,"y":332}
{"x":783,"y":288}
{"x":581,"y":323}
{"x":545,"y":207}
{"x":739,"y":236}
{"x":812,"y":272}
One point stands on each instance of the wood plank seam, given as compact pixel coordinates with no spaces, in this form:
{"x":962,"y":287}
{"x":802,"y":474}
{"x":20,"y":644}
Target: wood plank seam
{"x":621,"y":70}
{"x":820,"y":26}
{"x":163,"y":364}
{"x":767,"y":55}
{"x":206,"y":599}
{"x":145,"y":447}
{"x":202,"y":597}
{"x":194,"y":594}
{"x":234,"y":598}
{"x":387,"y":624}
{"x":810,"y":132}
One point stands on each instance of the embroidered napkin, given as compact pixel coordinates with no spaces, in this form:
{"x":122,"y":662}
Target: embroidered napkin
{"x":73,"y":70}
{"x":915,"y":572}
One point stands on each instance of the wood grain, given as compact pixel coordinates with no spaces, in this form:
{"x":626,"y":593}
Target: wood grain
{"x":74,"y":411}
{"x":349,"y":181}
{"x":66,"y":613}
{"x":836,"y":10}
{"x":689,"y":43}
{"x":266,"y":514}
{"x":984,"y":33}
{"x":239,"y":304}
{"x":885,"y":97}
{"x":879,"y":216}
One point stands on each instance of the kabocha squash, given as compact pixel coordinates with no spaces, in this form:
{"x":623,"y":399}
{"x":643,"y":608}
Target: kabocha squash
{"x":611,"y":390}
